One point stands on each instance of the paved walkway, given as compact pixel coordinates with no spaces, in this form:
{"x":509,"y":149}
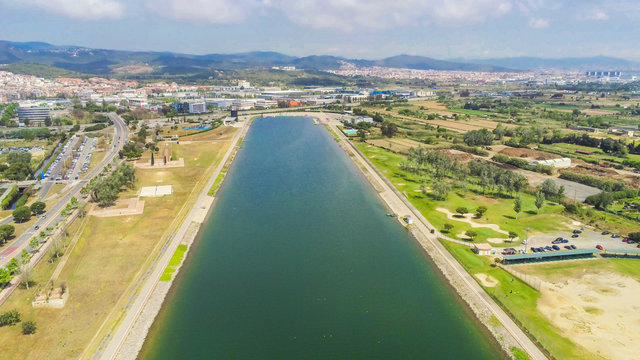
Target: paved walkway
{"x":436,"y":250}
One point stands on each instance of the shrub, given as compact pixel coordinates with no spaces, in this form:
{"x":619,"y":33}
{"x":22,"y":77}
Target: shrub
{"x":10,"y":317}
{"x":28,"y":327}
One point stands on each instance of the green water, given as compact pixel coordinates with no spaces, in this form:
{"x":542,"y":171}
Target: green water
{"x":298,"y":261}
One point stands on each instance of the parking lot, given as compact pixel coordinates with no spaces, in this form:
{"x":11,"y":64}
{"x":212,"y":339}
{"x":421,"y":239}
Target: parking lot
{"x":587,"y":239}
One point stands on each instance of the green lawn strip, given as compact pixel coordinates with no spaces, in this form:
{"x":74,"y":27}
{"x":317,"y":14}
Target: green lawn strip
{"x":175,"y":261}
{"x":500,"y":210}
{"x":216,"y":184}
{"x":335,"y":136}
{"x":630,"y":267}
{"x":520,"y":300}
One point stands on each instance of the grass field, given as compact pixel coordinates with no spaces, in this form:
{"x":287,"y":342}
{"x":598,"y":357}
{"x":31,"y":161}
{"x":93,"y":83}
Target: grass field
{"x":521,"y":301}
{"x":500,"y":210}
{"x":174,"y":262}
{"x":108,"y":258}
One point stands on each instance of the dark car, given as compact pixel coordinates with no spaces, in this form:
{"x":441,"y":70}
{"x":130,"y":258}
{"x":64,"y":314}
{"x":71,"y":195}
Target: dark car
{"x":564,"y":241}
{"x":535,"y":250}
{"x":573,"y":247}
{"x":558,"y":241}
{"x":575,"y":235}
{"x":568,"y":247}
{"x":605,"y":233}
{"x":577,"y":232}
{"x":631,"y":242}
{"x":36,"y":227}
{"x":548,"y":248}
{"x":556,"y":247}
{"x":615,"y":236}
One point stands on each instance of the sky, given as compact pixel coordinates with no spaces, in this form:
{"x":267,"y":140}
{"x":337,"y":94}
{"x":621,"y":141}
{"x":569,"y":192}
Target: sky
{"x":368,"y":29}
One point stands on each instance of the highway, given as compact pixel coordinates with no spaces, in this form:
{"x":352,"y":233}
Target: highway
{"x":52,"y":216}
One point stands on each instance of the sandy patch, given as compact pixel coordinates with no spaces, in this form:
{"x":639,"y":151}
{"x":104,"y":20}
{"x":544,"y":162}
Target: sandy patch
{"x":596,"y":311}
{"x":486,"y":280}
{"x":124,"y":207}
{"x":467,"y":219}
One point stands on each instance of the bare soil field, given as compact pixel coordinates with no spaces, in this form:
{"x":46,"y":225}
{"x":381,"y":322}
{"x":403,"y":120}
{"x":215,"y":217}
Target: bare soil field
{"x":528,"y":153}
{"x":599,"y":112}
{"x":597,"y":311}
{"x":456,"y":154}
{"x":401,"y":146}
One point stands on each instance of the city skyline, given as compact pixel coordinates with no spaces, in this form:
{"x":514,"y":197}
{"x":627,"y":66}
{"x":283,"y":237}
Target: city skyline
{"x":355,"y":29}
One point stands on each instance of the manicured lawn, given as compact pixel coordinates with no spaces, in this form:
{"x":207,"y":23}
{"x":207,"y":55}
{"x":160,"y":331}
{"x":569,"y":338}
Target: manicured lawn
{"x":175,"y":260}
{"x":500,"y":209}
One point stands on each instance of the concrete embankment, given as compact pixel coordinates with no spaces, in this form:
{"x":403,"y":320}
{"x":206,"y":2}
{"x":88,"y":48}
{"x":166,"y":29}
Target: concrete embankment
{"x":506,"y":332}
{"x":126,"y":340}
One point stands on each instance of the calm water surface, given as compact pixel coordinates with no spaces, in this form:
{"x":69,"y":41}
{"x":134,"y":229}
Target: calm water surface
{"x":298,"y":261}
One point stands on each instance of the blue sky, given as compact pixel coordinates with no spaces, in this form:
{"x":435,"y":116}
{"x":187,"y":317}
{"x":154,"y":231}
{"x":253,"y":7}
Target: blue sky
{"x":351,"y":28}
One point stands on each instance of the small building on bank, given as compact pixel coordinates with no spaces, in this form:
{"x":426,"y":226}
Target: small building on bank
{"x":483,"y":249}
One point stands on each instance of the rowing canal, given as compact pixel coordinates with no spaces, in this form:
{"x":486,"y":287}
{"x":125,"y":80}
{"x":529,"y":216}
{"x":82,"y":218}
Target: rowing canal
{"x":298,"y":260}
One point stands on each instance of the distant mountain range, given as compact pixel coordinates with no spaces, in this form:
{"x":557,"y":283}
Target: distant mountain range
{"x":595,"y":63}
{"x":74,"y":59}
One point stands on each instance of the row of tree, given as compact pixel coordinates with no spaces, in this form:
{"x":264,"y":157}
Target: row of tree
{"x":104,"y":190}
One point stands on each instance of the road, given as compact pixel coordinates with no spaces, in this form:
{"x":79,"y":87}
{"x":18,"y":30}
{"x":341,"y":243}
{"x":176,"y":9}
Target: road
{"x":53,"y":216}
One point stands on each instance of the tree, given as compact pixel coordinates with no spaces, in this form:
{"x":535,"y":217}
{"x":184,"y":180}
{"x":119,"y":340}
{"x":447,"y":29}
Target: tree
{"x":448,"y":227}
{"x":6,"y":231}
{"x":18,"y":156}
{"x":462,"y":210}
{"x":481,"y":210}
{"x":539,"y":200}
{"x":440,"y":189}
{"x":517,"y":206}
{"x":388,"y":128}
{"x":33,"y":243}
{"x":480,"y":137}
{"x":152,"y":159}
{"x":635,"y":236}
{"x":5,"y":277}
{"x":22,"y":214}
{"x":471,"y":234}
{"x":362,"y":135}
{"x":512,"y":235}
{"x":38,"y":207}
{"x":18,"y":171}
{"x":25,"y":268}
{"x":28,"y":327}
{"x":9,"y":318}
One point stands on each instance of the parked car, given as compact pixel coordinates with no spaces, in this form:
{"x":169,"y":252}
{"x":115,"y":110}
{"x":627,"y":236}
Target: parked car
{"x":575,"y":235}
{"x":568,"y":247}
{"x":599,"y":247}
{"x":36,"y":227}
{"x":605,"y":233}
{"x":577,"y":231}
{"x":573,"y":247}
{"x":535,"y":250}
{"x":558,"y":241}
{"x":615,"y":236}
{"x":548,"y":248}
{"x":556,"y":247}
{"x":631,"y":242}
{"x":564,"y":241}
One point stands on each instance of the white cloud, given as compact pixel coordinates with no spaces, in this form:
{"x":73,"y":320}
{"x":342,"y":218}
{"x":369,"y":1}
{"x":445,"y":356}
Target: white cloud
{"x":595,"y":14}
{"x":338,"y":14}
{"x":538,"y":23}
{"x":75,"y":9}
{"x":212,"y":11}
